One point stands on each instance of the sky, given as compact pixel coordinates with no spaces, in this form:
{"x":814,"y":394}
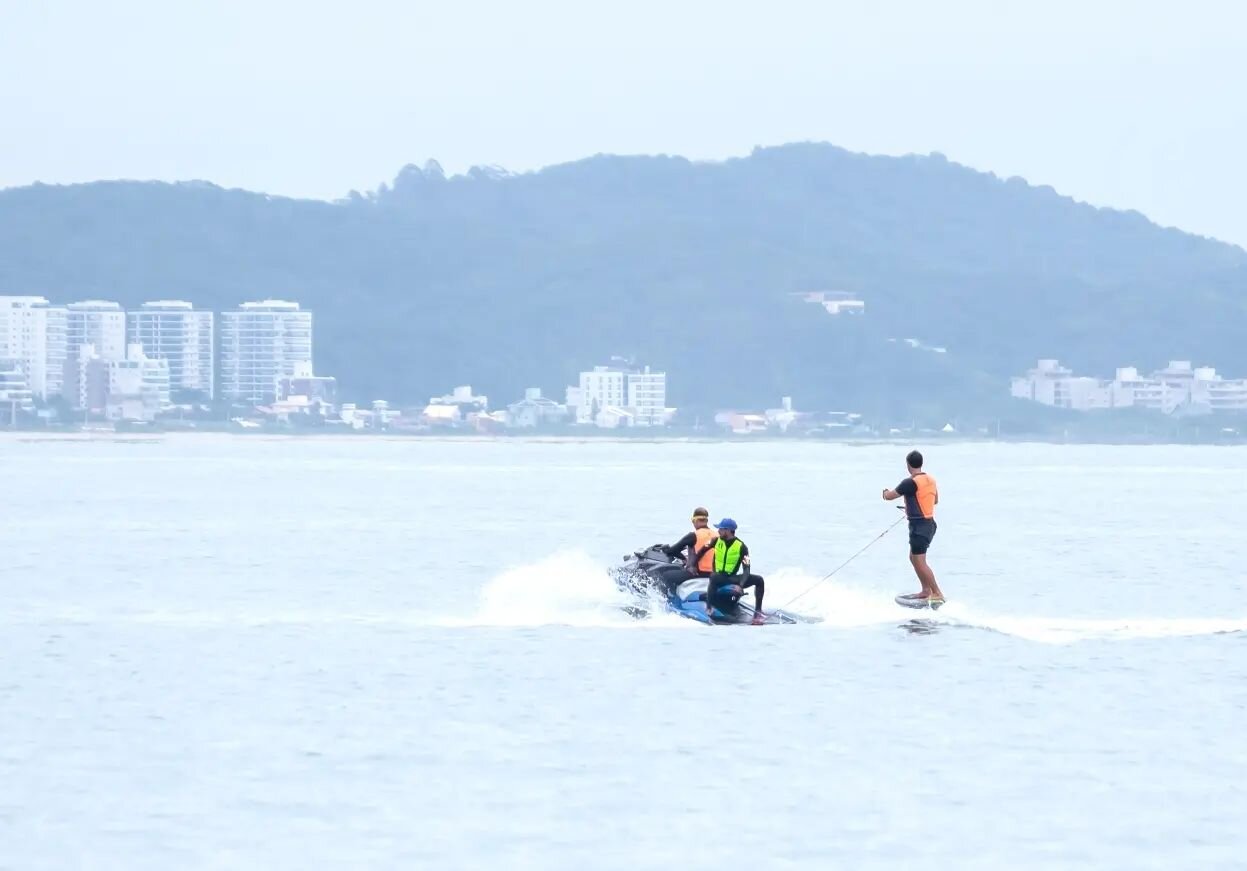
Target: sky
{"x":1135,"y":105}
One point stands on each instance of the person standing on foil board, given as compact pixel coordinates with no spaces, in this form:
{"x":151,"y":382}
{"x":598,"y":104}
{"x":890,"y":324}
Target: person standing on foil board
{"x":921,"y":495}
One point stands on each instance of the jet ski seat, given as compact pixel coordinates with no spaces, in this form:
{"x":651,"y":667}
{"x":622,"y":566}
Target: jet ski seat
{"x":692,"y":590}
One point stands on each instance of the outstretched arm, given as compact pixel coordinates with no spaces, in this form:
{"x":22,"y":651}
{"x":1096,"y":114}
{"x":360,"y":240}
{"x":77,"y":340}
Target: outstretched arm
{"x":907,"y":487}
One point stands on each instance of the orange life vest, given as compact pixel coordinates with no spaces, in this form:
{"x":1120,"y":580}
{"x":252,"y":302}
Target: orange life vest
{"x":928,"y":494}
{"x":705,"y":542}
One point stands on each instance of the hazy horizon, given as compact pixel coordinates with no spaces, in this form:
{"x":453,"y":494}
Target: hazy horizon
{"x":1124,"y":105}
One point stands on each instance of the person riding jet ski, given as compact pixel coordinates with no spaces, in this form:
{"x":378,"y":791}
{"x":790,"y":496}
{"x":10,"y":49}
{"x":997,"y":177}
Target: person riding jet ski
{"x":731,"y":555}
{"x":697,"y":547}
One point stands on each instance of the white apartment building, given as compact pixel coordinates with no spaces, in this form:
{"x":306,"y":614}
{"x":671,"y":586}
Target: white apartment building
{"x":173,"y":331}
{"x":601,"y":388}
{"x":32,"y":335}
{"x":81,"y":387}
{"x":604,"y":387}
{"x":138,"y":386}
{"x":1178,"y":386}
{"x":1228,"y":395}
{"x":641,"y":394}
{"x":1132,"y":390}
{"x":1046,"y":384}
{"x":261,"y":343}
{"x":647,"y":397}
{"x":1209,"y":390}
{"x":99,"y":323}
{"x":14,"y":392}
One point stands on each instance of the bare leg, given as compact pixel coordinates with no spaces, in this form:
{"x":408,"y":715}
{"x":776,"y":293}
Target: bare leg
{"x":930,"y":589}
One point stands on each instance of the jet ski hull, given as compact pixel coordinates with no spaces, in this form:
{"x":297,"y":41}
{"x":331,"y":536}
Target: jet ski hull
{"x":637,"y":576}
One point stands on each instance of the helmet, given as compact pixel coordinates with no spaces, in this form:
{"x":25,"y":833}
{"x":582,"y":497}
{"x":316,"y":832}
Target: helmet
{"x":701,"y":514}
{"x":726,"y":523}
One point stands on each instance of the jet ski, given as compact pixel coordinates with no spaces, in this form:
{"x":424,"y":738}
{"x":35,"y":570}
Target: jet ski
{"x":637,"y":575}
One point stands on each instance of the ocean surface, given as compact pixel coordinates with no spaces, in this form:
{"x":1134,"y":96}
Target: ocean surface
{"x":249,"y":652}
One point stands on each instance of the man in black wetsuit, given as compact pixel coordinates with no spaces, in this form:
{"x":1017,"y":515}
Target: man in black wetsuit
{"x":731,"y":555}
{"x":698,"y":550}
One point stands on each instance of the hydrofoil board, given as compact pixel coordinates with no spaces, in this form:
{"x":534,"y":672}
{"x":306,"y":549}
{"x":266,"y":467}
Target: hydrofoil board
{"x":923,"y":604}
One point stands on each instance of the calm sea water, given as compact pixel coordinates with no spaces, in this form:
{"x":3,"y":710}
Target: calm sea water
{"x":264,"y":653}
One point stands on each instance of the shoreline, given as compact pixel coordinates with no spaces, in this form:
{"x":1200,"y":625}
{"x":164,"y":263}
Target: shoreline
{"x":80,"y":436}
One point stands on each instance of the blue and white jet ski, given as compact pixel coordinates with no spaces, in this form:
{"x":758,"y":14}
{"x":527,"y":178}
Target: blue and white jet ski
{"x":637,"y":576}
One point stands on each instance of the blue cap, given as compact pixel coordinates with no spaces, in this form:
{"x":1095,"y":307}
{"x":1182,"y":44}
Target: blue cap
{"x":726,"y":523}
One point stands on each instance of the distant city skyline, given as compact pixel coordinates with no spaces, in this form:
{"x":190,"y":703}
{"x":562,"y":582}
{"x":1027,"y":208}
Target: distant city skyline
{"x":47,"y":349}
{"x":1120,"y":104}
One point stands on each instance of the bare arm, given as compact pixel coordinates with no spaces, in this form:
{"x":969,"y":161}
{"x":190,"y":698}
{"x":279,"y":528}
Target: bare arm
{"x":890,"y":495}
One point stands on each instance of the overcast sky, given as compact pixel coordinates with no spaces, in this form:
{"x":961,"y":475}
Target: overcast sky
{"x":1131,"y":104}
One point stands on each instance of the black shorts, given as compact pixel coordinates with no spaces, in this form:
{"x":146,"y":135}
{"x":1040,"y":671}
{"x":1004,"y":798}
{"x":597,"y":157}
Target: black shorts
{"x":920,"y":534}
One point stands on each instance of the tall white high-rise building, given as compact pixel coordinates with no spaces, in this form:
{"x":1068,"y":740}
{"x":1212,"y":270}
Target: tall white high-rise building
{"x":173,"y":331}
{"x":261,"y":343}
{"x":99,"y":323}
{"x":32,"y":335}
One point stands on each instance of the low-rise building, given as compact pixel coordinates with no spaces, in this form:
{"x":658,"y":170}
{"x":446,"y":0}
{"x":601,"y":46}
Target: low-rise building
{"x":297,"y":408}
{"x":534,"y":411}
{"x":835,"y":302}
{"x":786,"y":418}
{"x":138,"y":386}
{"x":379,"y":416}
{"x":442,"y":415}
{"x":313,"y":388}
{"x":463,"y":399}
{"x":613,"y":417}
{"x":741,"y":423}
{"x":15,"y":392}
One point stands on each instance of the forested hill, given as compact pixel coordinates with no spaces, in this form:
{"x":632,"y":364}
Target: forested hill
{"x":507,"y":281}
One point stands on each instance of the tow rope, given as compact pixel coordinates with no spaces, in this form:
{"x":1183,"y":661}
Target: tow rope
{"x":847,"y":561}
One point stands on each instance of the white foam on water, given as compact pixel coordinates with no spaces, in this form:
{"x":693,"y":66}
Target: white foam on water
{"x":842,"y":605}
{"x":1067,"y":630}
{"x":564,"y":589}
{"x":836,"y":604}
{"x":569,"y":588}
